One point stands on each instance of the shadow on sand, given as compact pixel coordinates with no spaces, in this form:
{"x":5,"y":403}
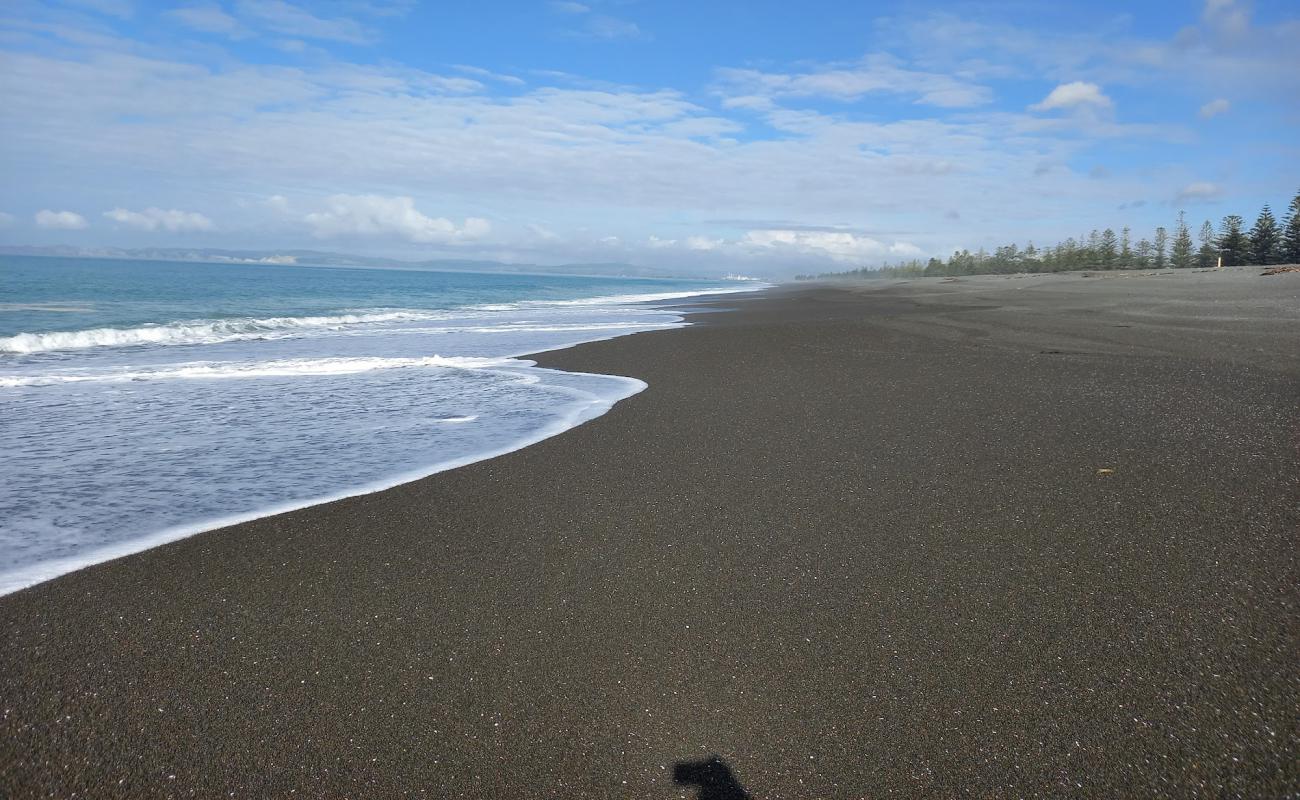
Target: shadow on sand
{"x":713,"y":777}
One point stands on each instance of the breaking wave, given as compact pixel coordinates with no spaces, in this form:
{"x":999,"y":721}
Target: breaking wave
{"x":217,"y":331}
{"x":200,"y":331}
{"x":259,"y":369}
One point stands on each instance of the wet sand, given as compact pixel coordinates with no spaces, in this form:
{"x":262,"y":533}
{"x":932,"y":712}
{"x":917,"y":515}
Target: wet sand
{"x":998,"y":537}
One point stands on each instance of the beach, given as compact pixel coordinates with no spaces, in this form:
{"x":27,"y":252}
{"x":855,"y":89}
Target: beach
{"x":1005,"y":536}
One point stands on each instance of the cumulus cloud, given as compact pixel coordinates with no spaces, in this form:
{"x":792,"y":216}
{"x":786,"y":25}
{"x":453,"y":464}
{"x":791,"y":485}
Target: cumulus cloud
{"x":1199,"y":192}
{"x":60,"y":220}
{"x":784,"y":247}
{"x":703,"y":243}
{"x":1215,"y":108}
{"x":1076,"y":94}
{"x":153,"y":219}
{"x":838,"y":245}
{"x":6,"y":219}
{"x":377,"y":215}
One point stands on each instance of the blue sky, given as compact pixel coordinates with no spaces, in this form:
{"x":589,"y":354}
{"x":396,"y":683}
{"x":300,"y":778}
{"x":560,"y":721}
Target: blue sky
{"x":766,"y":137}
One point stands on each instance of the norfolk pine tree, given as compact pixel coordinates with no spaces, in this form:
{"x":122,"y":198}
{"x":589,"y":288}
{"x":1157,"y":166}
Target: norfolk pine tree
{"x":1182,"y":252}
{"x":1264,"y":239}
{"x":1106,"y":247}
{"x":1232,"y":242}
{"x":1142,"y":254}
{"x":1268,"y":242}
{"x":1291,"y":233}
{"x":1207,"y":255}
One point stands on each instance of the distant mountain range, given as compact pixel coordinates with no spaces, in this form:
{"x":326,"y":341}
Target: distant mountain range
{"x":325,"y":259}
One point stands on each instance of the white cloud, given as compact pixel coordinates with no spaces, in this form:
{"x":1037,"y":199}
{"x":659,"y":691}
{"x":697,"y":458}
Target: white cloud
{"x":1226,"y":18}
{"x":291,"y":20}
{"x":153,"y":219}
{"x":1224,"y":53}
{"x":6,"y":219}
{"x":1076,"y":94}
{"x":838,"y":245}
{"x":1201,"y":191}
{"x":623,"y":160}
{"x":60,"y":220}
{"x":601,"y":26}
{"x":113,"y":8}
{"x":703,"y":243}
{"x":377,"y":215}
{"x":877,"y":73}
{"x":787,"y":247}
{"x":563,"y":7}
{"x":488,"y":74}
{"x":208,"y":19}
{"x":1214,"y":108}
{"x":542,"y":232}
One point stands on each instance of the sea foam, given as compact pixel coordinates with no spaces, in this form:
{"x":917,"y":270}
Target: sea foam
{"x":257,"y":369}
{"x":200,"y":331}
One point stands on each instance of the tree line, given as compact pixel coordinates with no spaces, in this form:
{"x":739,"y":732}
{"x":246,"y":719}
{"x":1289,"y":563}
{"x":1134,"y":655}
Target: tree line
{"x":1267,"y":242}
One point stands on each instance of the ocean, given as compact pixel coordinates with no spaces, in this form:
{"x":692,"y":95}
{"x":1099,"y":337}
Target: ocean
{"x":142,"y":401}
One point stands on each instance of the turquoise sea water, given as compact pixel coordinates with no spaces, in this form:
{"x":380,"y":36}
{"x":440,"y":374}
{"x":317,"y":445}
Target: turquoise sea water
{"x":141,"y":401}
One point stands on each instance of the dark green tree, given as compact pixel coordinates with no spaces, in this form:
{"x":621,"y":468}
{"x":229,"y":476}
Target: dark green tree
{"x":1181,"y":255}
{"x":1125,"y":248}
{"x":1162,"y":240}
{"x":1291,"y":233}
{"x":1207,"y":256}
{"x":1142,"y":254}
{"x":1233,"y":245}
{"x":1265,"y":238}
{"x":1107,"y":247}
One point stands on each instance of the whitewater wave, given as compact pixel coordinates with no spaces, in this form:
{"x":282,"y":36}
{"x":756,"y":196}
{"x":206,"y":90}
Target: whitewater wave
{"x":260,"y":369}
{"x":217,"y":331}
{"x":201,"y":331}
{"x":521,"y":327}
{"x":619,"y":299}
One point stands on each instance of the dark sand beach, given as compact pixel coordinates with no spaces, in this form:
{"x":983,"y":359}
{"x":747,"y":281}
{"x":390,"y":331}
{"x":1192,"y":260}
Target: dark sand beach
{"x":996,"y":537}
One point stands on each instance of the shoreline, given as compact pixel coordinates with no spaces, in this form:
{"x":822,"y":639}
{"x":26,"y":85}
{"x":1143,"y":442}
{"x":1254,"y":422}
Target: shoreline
{"x":25,"y":577}
{"x":1001,"y":537}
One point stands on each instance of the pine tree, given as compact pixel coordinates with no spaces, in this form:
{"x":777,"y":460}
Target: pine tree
{"x":1264,"y":238}
{"x":1162,"y":239}
{"x":1291,"y":233}
{"x":1125,"y":248}
{"x":1182,"y":250}
{"x":1142,"y":254}
{"x":1207,"y":256}
{"x":1233,"y":245}
{"x":1106,"y":249}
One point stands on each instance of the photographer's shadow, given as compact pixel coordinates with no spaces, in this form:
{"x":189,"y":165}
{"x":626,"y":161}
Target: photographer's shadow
{"x":713,"y":777}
